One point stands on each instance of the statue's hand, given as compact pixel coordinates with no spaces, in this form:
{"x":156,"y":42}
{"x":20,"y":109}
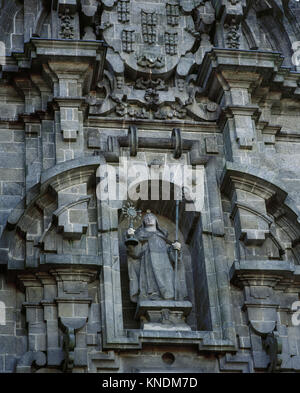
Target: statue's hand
{"x":176,"y":246}
{"x":130,"y":232}
{"x":131,"y":250}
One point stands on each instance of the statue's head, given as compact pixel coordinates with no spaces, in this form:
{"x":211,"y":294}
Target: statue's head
{"x":149,"y":220}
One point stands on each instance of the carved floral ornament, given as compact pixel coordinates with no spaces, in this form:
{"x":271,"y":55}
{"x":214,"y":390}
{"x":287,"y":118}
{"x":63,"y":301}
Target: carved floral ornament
{"x":66,"y":25}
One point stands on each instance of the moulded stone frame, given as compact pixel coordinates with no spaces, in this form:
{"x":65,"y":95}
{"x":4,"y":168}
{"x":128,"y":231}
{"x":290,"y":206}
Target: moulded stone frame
{"x":220,"y":338}
{"x":222,"y":335}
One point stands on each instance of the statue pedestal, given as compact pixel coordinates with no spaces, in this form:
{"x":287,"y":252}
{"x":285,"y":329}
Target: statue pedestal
{"x":163,"y":315}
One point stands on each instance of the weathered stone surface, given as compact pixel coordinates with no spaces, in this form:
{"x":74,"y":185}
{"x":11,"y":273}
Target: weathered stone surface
{"x":214,"y":84}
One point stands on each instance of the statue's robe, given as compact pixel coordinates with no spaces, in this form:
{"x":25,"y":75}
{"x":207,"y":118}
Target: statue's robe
{"x":151,"y":268}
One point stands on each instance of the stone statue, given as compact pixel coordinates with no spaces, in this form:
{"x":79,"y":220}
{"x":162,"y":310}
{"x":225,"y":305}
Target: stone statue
{"x":151,"y":263}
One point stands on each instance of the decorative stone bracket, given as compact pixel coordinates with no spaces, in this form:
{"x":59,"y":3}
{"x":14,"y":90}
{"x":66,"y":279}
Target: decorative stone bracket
{"x":58,"y":298}
{"x":24,"y":365}
{"x":64,"y":5}
{"x":227,"y":9}
{"x":72,"y":219}
{"x":258,"y":279}
{"x":70,"y":112}
{"x":164,"y":315}
{"x":273,"y":346}
{"x":70,"y":325}
{"x":230,"y":14}
{"x":252,"y":224}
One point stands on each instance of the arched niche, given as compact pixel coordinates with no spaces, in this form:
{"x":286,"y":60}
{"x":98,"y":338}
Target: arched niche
{"x":265,"y":221}
{"x":129,"y":307}
{"x":190,"y":228}
{"x":60,"y":218}
{"x":268,"y":27}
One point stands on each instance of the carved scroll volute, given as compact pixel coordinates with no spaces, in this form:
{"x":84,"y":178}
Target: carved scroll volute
{"x":133,"y":140}
{"x":177,"y":142}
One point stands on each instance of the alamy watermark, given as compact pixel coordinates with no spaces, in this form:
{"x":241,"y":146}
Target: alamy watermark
{"x":2,"y":53}
{"x":296,"y":314}
{"x":296,"y":55}
{"x":2,"y":314}
{"x":135,"y":180}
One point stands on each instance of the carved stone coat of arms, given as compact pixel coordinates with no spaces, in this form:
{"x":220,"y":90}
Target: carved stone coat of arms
{"x":151,"y":36}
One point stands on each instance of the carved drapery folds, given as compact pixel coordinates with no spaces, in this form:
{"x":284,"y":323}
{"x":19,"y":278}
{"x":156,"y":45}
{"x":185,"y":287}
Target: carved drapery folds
{"x":157,"y":278}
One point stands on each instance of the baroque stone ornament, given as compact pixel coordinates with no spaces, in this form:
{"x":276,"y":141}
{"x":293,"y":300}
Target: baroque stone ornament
{"x":232,"y":35}
{"x":153,"y":48}
{"x":66,"y":28}
{"x":157,"y":46}
{"x":123,"y":11}
{"x":87,"y":124}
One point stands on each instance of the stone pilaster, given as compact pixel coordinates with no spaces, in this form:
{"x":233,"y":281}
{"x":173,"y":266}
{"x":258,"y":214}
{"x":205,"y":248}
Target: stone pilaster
{"x":54,"y":350}
{"x":73,"y":311}
{"x":233,"y":90}
{"x":71,"y":67}
{"x":34,"y":312}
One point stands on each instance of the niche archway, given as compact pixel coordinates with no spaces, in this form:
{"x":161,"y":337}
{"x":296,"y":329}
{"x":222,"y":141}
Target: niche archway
{"x":192,"y":251}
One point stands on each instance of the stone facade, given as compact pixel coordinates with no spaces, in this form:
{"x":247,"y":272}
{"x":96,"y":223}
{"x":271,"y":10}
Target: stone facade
{"x":214,"y":84}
